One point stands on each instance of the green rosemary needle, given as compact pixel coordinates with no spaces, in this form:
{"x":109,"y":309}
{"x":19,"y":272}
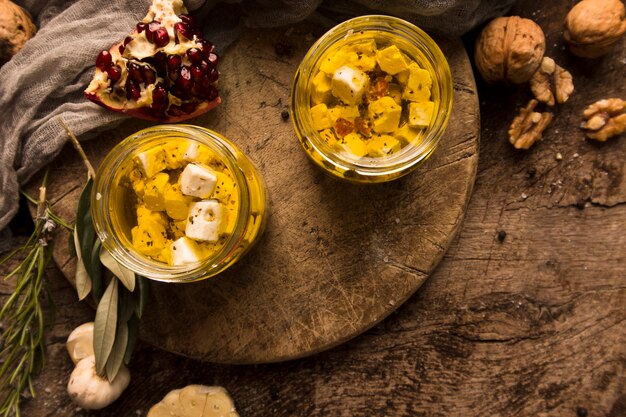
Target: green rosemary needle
{"x":22,"y":339}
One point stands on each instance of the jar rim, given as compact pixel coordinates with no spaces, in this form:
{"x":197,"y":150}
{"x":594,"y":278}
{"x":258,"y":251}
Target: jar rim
{"x":127,"y":149}
{"x":410,"y":156}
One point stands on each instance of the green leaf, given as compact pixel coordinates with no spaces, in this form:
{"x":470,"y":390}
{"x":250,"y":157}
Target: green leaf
{"x":83,"y":282}
{"x":127,"y":305}
{"x":117,"y":352}
{"x":125,"y":275}
{"x":71,"y":244}
{"x":87,"y":241}
{"x":133,"y":331}
{"x":141,"y":295}
{"x":95,"y":272}
{"x":83,"y":207}
{"x":105,"y":326}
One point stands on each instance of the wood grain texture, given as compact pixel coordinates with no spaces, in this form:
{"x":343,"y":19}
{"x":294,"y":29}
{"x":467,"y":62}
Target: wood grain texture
{"x":533,"y":326}
{"x":336,"y":258}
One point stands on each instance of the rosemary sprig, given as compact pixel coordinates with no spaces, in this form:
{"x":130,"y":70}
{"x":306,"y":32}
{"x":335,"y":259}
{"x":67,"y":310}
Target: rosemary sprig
{"x":22,"y":341}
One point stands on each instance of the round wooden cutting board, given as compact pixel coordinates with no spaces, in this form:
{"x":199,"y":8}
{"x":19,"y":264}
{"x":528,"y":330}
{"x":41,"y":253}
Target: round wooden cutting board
{"x":336,"y":258}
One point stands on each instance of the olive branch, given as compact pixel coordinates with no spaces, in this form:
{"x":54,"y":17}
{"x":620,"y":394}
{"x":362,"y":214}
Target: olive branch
{"x":119,"y":307}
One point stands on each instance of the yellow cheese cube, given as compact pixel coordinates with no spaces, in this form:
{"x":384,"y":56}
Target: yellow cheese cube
{"x":420,"y":113}
{"x":385,"y":114}
{"x":344,"y":112}
{"x":382,"y":145}
{"x":149,"y":237}
{"x":392,"y":60}
{"x":137,"y":182}
{"x":362,"y":61}
{"x":329,"y":136}
{"x":224,"y":188}
{"x":174,"y":152}
{"x":176,"y":204}
{"x":395,"y":92}
{"x":409,"y":135}
{"x":155,"y":188}
{"x":320,"y":91}
{"x":402,"y":77}
{"x":231,"y":221}
{"x":333,"y":60}
{"x":349,"y":84}
{"x":352,"y":144}
{"x":418,"y":84}
{"x":319,"y":114}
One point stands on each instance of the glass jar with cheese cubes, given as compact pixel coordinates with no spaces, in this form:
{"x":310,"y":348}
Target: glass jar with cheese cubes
{"x":371,"y":99}
{"x":178,"y":203}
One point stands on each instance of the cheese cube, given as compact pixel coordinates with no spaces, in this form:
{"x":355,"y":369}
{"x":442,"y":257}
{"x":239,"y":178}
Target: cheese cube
{"x":366,"y":47}
{"x":178,"y":227}
{"x":149,"y":236}
{"x":382,"y":145}
{"x":224,"y":189}
{"x":154,"y":190}
{"x":421,"y":113}
{"x":329,"y":136}
{"x":176,"y":204}
{"x":418,"y":84}
{"x":137,"y":182}
{"x":409,"y":135}
{"x":197,"y":180}
{"x":319,"y":114}
{"x":395,"y":92}
{"x":392,"y":60}
{"x":344,"y":112}
{"x":151,"y":161}
{"x":198,"y":153}
{"x":334,"y":60}
{"x":174,"y":150}
{"x":349,"y":84}
{"x":185,"y":251}
{"x":353,"y":145}
{"x":145,"y":214}
{"x":205,"y":221}
{"x":385,"y":114}
{"x":321,"y":88}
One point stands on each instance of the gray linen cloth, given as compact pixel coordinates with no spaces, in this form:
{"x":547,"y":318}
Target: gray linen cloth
{"x":45,"y":80}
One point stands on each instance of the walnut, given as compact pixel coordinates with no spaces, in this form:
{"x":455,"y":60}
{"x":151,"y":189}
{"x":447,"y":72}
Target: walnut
{"x":509,"y":49}
{"x":16,"y":27}
{"x":593,"y":27}
{"x":528,"y":126}
{"x":605,"y":118}
{"x":551,"y":81}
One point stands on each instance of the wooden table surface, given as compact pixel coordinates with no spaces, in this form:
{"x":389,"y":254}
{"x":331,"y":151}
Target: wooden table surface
{"x":534,"y":325}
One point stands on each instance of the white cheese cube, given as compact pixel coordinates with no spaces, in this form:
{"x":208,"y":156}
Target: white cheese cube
{"x":151,"y":161}
{"x":205,"y":220}
{"x":185,"y":251}
{"x":192,"y":153}
{"x":197,"y":180}
{"x":349,"y":84}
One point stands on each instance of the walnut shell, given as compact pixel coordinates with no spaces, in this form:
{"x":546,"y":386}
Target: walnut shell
{"x":16,"y":27}
{"x":509,"y":49}
{"x":593,"y":27}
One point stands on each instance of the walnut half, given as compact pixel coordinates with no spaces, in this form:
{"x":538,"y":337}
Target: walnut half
{"x":604,"y":119}
{"x":528,"y":126}
{"x":551,"y":81}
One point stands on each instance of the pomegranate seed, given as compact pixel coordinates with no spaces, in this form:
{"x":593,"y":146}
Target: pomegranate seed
{"x":182,"y":30}
{"x":114,"y":73}
{"x":161,"y":37}
{"x":184,"y":80}
{"x":152,"y":27}
{"x":141,"y":26}
{"x":149,"y":76}
{"x":205,"y":67}
{"x":175,"y":111}
{"x":213,"y":59}
{"x":190,"y":20}
{"x":159,"y":63}
{"x":214,"y":75}
{"x":132,"y":91}
{"x":174,"y":61}
{"x":195,"y":55}
{"x":196,"y":72}
{"x":104,"y":60}
{"x":197,"y":90}
{"x":188,"y":107}
{"x":207,"y":47}
{"x":159,"y":94}
{"x":173,"y":74}
{"x":122,"y":47}
{"x":134,"y":72}
{"x":213,"y":93}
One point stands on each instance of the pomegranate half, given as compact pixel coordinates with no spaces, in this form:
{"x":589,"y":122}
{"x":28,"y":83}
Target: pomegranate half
{"x":164,"y":70}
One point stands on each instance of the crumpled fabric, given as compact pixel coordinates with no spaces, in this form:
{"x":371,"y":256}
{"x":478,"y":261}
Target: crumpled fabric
{"x":45,"y":80}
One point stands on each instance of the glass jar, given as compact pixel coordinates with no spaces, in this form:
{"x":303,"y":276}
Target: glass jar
{"x":113,"y":203}
{"x":414,"y":44}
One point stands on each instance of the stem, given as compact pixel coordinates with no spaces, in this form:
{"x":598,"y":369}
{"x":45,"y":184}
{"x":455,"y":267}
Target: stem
{"x":91,"y":173}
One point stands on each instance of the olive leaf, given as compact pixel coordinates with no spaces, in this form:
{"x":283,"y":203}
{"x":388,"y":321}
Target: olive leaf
{"x":83,"y":283}
{"x":105,"y":326}
{"x":114,"y":362}
{"x":83,"y":208}
{"x":141,"y":295}
{"x":125,"y":275}
{"x":133,"y":330}
{"x":126,"y":306}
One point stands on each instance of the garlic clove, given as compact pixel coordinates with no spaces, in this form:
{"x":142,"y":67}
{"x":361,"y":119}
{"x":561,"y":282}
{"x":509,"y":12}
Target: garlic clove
{"x":80,"y":342}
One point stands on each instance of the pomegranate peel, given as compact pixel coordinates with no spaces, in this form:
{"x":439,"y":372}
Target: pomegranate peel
{"x":163,"y":71}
